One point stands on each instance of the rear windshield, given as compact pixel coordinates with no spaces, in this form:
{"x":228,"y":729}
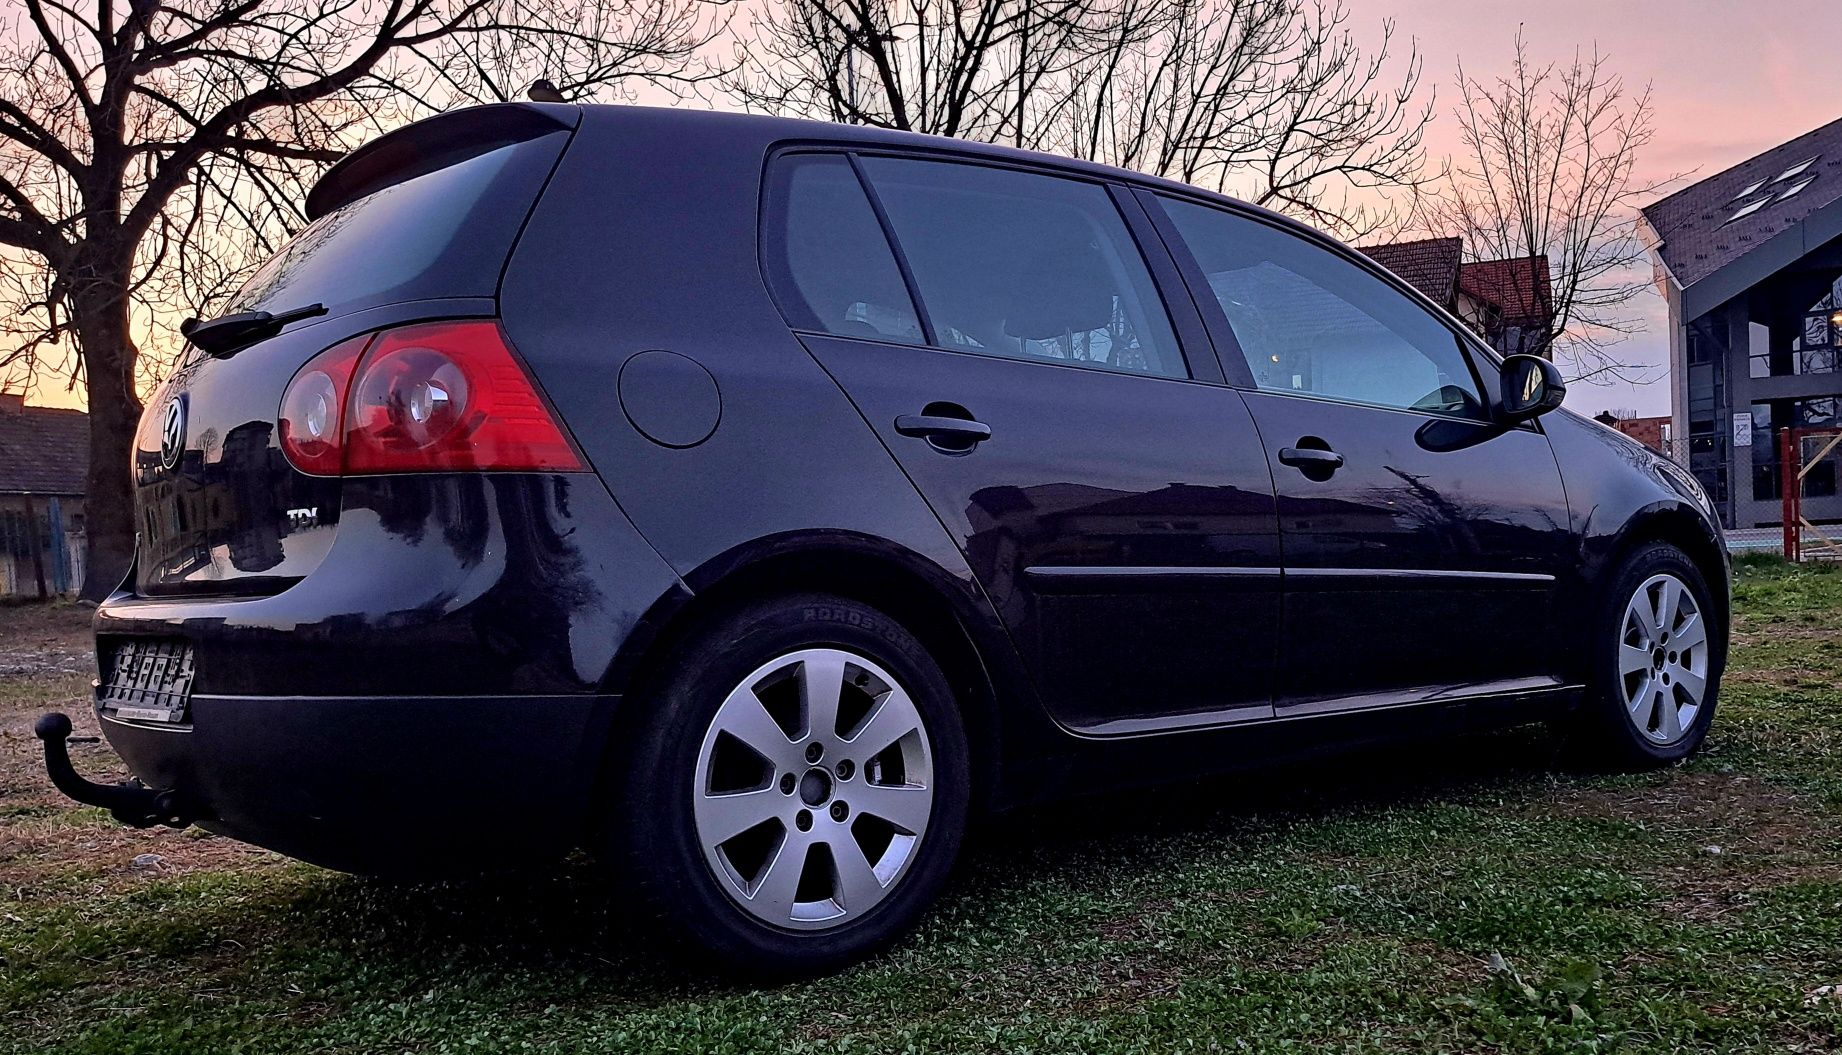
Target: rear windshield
{"x":444,"y":233}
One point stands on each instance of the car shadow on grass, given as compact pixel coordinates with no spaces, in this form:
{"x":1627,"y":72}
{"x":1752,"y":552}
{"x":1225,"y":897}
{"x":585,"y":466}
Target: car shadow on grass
{"x":1336,"y":783}
{"x":572,"y":925}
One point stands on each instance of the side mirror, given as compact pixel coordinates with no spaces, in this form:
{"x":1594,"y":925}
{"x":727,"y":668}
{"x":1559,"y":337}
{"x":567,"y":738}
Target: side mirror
{"x":1532,"y":386}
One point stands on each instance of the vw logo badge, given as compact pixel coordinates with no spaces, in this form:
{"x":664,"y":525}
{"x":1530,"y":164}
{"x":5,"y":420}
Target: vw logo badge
{"x":172,"y":434}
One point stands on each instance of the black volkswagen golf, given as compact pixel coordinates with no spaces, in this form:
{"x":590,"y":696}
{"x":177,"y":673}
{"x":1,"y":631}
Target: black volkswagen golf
{"x":752,"y":502}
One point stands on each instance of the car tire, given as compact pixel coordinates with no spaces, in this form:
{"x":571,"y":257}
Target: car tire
{"x":1658,"y":649}
{"x":732,"y":778}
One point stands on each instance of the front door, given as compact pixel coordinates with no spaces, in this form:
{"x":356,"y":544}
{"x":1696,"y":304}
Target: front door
{"x":1415,"y":570}
{"x":1117,"y":510}
{"x":1423,"y":540}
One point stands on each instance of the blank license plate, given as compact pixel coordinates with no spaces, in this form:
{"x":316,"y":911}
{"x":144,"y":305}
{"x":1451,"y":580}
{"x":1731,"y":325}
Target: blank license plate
{"x":148,"y":681}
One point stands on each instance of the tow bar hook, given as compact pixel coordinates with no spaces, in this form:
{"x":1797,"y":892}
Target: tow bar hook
{"x":131,"y":802}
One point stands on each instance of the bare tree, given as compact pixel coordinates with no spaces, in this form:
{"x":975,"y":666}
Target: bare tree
{"x":1271,"y":99}
{"x":150,"y":150}
{"x":1549,"y":176}
{"x":944,"y":67}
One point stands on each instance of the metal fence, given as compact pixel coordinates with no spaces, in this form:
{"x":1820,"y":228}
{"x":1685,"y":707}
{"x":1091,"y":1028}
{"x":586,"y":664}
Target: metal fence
{"x":1808,"y":461}
{"x":1755,"y":540}
{"x":1798,"y":475}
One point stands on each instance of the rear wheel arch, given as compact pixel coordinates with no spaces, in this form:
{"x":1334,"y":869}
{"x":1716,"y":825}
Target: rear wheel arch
{"x":896,"y":585}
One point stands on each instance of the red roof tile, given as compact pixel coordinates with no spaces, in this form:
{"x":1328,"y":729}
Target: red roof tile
{"x":1518,"y":288}
{"x":1429,"y":265}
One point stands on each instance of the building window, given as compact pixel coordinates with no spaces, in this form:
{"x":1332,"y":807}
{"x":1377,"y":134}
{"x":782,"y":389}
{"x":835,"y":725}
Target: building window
{"x":1818,"y":344}
{"x":1798,"y":169}
{"x":1511,"y":340}
{"x":1766,"y":478}
{"x":1810,"y":344}
{"x":1818,"y":413}
{"x":1707,"y":405}
{"x":1759,"y":349}
{"x":1769,"y":419}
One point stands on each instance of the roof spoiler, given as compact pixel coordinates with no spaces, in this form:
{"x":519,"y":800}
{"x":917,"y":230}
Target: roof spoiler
{"x":434,"y":143}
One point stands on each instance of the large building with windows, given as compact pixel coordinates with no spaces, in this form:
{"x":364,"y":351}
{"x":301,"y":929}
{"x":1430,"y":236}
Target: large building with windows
{"x":1750,"y":260}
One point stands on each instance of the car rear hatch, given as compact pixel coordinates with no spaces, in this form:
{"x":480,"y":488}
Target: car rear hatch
{"x":415,"y":225}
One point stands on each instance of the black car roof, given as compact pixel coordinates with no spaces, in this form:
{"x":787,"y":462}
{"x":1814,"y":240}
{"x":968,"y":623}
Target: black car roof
{"x":359,"y":171}
{"x":772,"y":130}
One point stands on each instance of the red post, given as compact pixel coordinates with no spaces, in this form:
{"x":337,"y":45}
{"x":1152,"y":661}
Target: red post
{"x":1789,"y":491}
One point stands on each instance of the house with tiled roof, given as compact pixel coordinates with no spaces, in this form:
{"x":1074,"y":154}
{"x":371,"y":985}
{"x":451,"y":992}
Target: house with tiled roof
{"x":44,"y":461}
{"x":1750,"y":261}
{"x":1429,"y":265}
{"x":1508,"y":302}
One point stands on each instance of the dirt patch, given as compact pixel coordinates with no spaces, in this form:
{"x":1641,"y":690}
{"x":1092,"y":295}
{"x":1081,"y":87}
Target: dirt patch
{"x":64,"y":857}
{"x":45,"y":640}
{"x":1751,"y":814}
{"x":1133,"y":926}
{"x":1782,"y":631}
{"x":1737,"y":835}
{"x":45,"y":838}
{"x":48,"y":844}
{"x":1129,"y":988}
{"x":22,"y":770}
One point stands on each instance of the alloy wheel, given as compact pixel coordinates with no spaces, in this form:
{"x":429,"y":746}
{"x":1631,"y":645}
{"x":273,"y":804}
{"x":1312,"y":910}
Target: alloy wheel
{"x":1663,"y":659}
{"x":813,"y":788}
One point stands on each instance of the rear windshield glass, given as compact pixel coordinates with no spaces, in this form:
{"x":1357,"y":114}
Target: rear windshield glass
{"x":444,"y":233}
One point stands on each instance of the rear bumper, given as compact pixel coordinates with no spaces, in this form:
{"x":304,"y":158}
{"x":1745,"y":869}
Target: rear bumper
{"x":433,"y":698}
{"x":436,"y":585}
{"x":418,"y":786}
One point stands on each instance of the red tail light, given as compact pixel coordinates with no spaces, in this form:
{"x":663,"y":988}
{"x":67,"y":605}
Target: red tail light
{"x":434,"y":397}
{"x":313,"y":409}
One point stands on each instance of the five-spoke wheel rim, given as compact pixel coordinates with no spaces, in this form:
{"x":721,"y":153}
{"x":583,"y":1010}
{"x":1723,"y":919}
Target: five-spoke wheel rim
{"x":813,"y":788}
{"x":1663,"y":659}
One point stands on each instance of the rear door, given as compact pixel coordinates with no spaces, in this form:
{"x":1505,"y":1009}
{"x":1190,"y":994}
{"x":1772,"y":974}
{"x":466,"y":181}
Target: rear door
{"x":1114,"y":504}
{"x":1423,"y":541}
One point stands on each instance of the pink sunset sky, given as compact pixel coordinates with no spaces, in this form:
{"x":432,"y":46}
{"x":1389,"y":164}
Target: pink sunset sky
{"x":1730,"y":79}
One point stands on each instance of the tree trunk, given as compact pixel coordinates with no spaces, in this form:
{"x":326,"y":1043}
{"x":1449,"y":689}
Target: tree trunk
{"x":100,"y":316}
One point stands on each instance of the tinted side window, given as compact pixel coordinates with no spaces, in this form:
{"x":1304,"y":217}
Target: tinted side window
{"x":1309,"y":321}
{"x":1026,"y":266}
{"x":828,"y":261}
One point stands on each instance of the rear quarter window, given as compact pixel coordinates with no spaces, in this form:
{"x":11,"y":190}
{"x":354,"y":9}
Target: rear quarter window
{"x":444,"y":233}
{"x":828,"y":262}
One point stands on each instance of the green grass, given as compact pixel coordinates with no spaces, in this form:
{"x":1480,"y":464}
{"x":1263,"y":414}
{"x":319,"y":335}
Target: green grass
{"x":1467,"y":897}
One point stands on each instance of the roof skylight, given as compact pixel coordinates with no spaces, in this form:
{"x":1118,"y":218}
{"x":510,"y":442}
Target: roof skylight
{"x":1748,"y":192}
{"x":1796,"y":169}
{"x":1795,"y":188}
{"x":1747,"y":210}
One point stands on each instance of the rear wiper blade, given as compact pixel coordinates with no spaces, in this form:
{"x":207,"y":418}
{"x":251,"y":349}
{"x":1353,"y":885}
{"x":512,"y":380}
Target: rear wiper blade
{"x":226,"y":335}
